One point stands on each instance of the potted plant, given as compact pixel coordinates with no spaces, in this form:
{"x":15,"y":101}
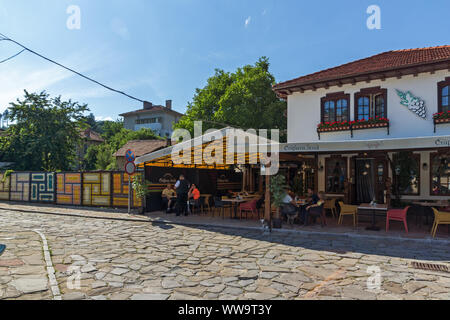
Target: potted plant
{"x":277,"y":191}
{"x":442,"y":117}
{"x":140,"y":187}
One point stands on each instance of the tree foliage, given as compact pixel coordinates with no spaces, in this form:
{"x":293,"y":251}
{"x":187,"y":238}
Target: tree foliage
{"x":243,"y":99}
{"x":43,"y":133}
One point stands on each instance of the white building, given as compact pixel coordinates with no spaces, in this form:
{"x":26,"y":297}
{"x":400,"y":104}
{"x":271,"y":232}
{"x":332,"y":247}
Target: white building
{"x":398,"y":93}
{"x":160,"y":119}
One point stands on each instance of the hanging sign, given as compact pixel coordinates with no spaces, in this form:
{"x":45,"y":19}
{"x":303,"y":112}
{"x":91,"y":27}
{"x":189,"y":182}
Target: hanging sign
{"x":413,"y":103}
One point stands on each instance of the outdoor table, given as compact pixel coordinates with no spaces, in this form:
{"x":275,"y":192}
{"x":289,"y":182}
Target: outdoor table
{"x":235,"y":203}
{"x":374,"y":209}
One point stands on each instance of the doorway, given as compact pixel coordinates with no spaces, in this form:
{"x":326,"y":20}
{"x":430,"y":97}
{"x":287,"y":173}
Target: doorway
{"x":370,"y":180}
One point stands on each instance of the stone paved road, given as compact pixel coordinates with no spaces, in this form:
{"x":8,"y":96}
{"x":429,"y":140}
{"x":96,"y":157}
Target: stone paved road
{"x":137,"y":260}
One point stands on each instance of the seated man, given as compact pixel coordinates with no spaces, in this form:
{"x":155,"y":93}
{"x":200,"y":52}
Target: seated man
{"x":289,"y":208}
{"x":168,"y":196}
{"x":315,"y":210}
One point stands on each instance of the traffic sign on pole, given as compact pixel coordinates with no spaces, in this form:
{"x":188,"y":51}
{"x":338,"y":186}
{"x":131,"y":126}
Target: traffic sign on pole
{"x":130,"y":168}
{"x":130,"y":156}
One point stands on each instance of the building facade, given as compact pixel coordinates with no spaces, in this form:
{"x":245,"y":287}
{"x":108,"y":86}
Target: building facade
{"x":160,"y":119}
{"x":364,"y":126}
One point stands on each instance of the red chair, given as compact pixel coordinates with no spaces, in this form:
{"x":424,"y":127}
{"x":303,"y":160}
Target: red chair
{"x":397,"y":215}
{"x":248,"y":207}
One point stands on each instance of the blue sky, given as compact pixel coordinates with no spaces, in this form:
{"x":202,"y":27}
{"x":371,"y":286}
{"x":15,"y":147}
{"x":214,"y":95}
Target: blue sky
{"x":165,"y":49}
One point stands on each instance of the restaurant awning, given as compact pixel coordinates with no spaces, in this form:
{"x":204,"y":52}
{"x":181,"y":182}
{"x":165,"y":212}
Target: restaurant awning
{"x":214,"y":150}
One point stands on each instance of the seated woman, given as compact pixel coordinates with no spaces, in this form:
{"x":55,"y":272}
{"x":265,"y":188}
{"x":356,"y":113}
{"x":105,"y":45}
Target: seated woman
{"x":315,"y":210}
{"x":194,"y":195}
{"x":168,"y":195}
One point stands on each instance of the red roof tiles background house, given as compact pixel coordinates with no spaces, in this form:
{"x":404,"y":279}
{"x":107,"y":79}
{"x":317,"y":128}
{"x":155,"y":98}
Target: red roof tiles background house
{"x":151,"y":109}
{"x":141,"y":147}
{"x":383,"y":62}
{"x":91,"y":135}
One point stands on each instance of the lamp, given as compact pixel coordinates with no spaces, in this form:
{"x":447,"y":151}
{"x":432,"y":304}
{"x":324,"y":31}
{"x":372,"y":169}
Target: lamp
{"x":320,"y":166}
{"x":397,"y":170}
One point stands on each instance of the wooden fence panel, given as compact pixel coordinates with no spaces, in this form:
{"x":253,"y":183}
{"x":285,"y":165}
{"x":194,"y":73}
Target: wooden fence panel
{"x":20,"y":187}
{"x":97,"y":189}
{"x":42,"y":187}
{"x":4,"y":187}
{"x":120,"y":191}
{"x":68,"y":188}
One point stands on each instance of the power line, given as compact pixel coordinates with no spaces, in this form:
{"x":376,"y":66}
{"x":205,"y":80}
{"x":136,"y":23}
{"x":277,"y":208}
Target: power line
{"x":12,"y":56}
{"x":5,"y":38}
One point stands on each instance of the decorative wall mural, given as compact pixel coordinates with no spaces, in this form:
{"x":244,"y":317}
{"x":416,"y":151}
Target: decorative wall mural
{"x":4,"y":187}
{"x":415,"y":104}
{"x":42,"y":187}
{"x":20,"y":187}
{"x":68,"y":188}
{"x":120,"y":191}
{"x":97,"y":189}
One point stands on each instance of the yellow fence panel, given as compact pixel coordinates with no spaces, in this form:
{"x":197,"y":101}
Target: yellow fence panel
{"x":97,"y":189}
{"x":4,"y":187}
{"x":120,"y":191}
{"x":68,"y":188}
{"x":20,"y":187}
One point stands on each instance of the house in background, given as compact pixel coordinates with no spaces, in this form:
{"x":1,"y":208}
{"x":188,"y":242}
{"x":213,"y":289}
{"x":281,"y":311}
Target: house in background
{"x":88,"y":138}
{"x":140,"y":148}
{"x":158,"y":118}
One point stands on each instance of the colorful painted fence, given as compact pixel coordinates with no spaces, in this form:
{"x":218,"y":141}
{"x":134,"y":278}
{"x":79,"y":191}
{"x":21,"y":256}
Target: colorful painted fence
{"x":4,"y":187}
{"x":120,"y":191}
{"x":68,"y":188}
{"x":97,"y":189}
{"x":20,"y":187}
{"x":42,"y":187}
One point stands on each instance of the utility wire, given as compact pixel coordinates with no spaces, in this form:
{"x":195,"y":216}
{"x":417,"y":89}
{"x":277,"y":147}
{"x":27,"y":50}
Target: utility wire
{"x":12,"y":56}
{"x":5,"y":38}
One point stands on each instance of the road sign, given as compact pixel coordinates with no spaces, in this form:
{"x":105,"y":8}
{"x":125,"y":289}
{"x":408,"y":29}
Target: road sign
{"x":130,"y":156}
{"x":130,"y":168}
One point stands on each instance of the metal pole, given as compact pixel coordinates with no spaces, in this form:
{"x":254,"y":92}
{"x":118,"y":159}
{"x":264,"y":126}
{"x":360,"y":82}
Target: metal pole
{"x":129,"y":194}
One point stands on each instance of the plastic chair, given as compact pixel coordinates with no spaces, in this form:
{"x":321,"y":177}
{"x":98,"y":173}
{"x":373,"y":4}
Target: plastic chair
{"x":331,"y":205}
{"x":397,"y":215}
{"x":248,"y":207}
{"x":347,"y":210}
{"x":439,"y":218}
{"x":219,"y":204}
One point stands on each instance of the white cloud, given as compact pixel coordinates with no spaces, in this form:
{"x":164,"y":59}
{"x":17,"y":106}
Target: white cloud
{"x":101,"y":118}
{"x":247,"y":21}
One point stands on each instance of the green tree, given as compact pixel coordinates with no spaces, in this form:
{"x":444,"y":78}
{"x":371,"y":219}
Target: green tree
{"x":243,"y":99}
{"x":100,"y":157}
{"x":44,"y":133}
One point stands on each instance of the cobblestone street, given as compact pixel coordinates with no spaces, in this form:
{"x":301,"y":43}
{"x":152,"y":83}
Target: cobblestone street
{"x":141,"y":260}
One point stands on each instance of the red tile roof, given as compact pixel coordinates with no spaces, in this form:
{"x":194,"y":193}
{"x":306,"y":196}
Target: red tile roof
{"x":151,"y":110}
{"x":141,"y":147}
{"x":91,"y":135}
{"x":387,"y":61}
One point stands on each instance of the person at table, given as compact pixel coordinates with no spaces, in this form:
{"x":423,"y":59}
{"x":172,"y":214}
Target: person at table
{"x":182,"y":189}
{"x":194,"y":195}
{"x":289,"y":207}
{"x":312,"y":197}
{"x":318,"y":204}
{"x":168,"y":198}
